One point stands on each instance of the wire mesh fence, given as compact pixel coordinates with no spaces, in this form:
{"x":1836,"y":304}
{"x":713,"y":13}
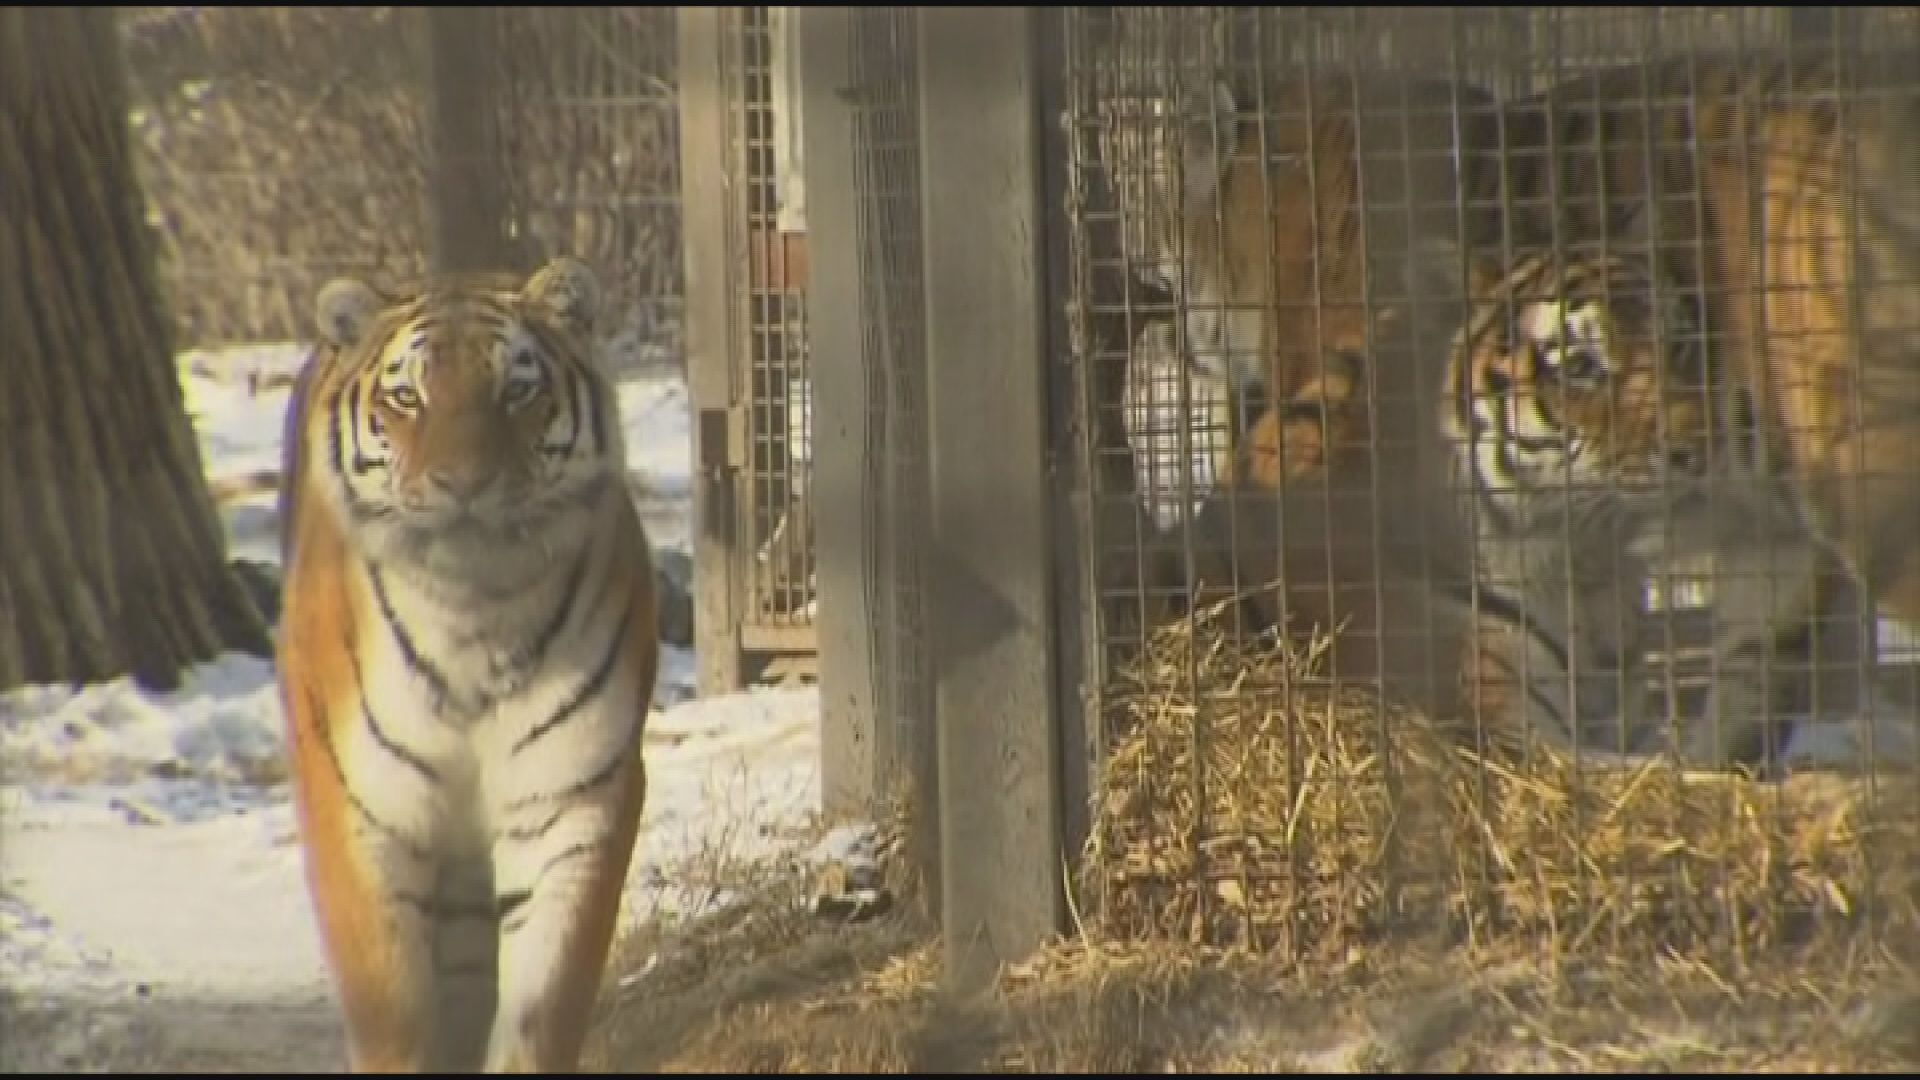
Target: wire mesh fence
{"x":1480,"y":406}
{"x":1472,"y":408}
{"x":883,"y":73}
{"x":780,"y":582}
{"x":279,"y":147}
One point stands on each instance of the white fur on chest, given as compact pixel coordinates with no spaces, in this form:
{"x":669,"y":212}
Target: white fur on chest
{"x":464,"y":723}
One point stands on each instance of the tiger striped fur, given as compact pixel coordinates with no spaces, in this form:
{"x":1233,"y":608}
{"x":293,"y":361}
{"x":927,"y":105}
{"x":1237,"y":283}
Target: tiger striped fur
{"x":1296,"y":242}
{"x":1581,"y":411}
{"x":1289,"y":242}
{"x":1766,"y":347}
{"x":467,"y":657}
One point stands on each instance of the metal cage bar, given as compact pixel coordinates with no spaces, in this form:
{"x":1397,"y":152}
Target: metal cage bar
{"x":1258,"y":203}
{"x":861,"y":102}
{"x":1303,"y":277}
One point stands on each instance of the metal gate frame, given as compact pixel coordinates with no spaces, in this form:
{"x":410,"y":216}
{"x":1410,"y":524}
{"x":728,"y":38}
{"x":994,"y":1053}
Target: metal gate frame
{"x":1008,"y":583}
{"x":747,"y":280}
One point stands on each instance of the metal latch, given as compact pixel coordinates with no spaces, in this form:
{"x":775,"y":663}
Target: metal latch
{"x":721,"y":450}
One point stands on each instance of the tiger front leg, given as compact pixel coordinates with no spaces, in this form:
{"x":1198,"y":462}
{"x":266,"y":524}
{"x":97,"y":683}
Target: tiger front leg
{"x":1765,"y":596}
{"x":371,"y":884}
{"x":561,"y":867}
{"x":1555,"y":654}
{"x":1524,"y":692}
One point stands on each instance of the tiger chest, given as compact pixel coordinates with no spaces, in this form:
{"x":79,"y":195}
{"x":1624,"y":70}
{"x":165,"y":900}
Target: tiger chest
{"x":463,"y":704}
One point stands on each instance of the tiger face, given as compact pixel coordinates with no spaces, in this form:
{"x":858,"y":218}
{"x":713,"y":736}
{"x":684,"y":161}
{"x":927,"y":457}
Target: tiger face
{"x":1579,"y":383}
{"x":465,"y":415}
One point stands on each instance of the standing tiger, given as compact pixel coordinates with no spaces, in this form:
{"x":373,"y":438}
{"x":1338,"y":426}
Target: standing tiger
{"x":1763,"y":347}
{"x":467,"y":656}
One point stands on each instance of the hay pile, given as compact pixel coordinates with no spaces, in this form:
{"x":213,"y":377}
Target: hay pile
{"x":1248,"y":804}
{"x":770,"y":985}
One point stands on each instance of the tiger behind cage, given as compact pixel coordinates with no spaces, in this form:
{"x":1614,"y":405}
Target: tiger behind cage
{"x":467,"y":656}
{"x":1685,"y":375}
{"x":1267,"y":275}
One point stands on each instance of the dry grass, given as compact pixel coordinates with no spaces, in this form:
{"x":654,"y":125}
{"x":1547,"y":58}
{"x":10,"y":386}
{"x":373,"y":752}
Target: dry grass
{"x":673,"y":980}
{"x":1312,"y":883}
{"x":1267,"y":810}
{"x":773,"y":992}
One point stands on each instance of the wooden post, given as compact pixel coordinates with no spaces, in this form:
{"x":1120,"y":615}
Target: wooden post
{"x":989,"y":558}
{"x":713,"y":254}
{"x":856,"y":752}
{"x":469,"y":204}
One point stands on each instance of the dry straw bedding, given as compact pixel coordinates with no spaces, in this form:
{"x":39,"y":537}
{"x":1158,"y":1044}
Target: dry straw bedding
{"x":1587,"y":920}
{"x":1267,"y":809}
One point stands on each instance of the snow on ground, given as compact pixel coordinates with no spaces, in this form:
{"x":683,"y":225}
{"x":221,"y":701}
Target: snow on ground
{"x":147,"y":840}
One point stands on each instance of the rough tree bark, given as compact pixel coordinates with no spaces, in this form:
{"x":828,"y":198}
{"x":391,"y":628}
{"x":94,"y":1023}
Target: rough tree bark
{"x":112,"y":559}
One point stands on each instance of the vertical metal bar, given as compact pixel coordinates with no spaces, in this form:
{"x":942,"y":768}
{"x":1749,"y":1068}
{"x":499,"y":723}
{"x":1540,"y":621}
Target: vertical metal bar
{"x":882,"y":62}
{"x":713,"y":253}
{"x":1835,"y":31}
{"x":990,"y":556}
{"x":747,"y":44}
{"x":1071,"y":595}
{"x":1086,"y":315}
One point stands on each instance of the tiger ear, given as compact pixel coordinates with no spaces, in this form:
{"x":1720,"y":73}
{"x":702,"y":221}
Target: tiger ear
{"x":344,"y":310}
{"x":569,"y":290}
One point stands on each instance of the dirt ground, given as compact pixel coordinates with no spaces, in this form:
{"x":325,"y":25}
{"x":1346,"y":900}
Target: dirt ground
{"x":184,"y":1035}
{"x":773,"y":983}
{"x":803,"y":994}
{"x":867,"y":999}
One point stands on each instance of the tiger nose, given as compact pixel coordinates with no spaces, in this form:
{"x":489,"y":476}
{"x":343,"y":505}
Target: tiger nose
{"x":461,"y":481}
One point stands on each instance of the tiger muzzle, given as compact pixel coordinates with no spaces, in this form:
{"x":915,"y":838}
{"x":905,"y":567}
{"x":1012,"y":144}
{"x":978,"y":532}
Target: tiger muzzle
{"x":464,"y":482}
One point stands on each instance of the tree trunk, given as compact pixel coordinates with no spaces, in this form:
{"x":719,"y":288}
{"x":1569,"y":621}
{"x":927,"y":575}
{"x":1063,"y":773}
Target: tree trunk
{"x":112,"y":559}
{"x":469,"y":206}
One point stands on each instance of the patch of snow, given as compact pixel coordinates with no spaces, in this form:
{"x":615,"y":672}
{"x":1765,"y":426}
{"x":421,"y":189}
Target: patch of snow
{"x":147,"y":841}
{"x":221,"y":728}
